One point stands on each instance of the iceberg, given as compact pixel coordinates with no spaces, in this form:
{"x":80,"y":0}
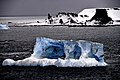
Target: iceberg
{"x":3,"y":26}
{"x":63,"y":53}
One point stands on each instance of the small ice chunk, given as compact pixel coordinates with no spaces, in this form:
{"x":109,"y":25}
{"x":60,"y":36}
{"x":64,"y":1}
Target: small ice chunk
{"x":8,"y":62}
{"x":3,"y":26}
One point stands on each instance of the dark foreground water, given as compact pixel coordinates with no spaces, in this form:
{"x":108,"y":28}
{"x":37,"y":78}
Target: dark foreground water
{"x":18,"y":42}
{"x":54,"y":73}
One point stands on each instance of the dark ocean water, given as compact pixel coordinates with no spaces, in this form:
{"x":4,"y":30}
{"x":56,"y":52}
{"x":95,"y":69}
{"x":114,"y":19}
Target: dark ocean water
{"x":18,"y":42}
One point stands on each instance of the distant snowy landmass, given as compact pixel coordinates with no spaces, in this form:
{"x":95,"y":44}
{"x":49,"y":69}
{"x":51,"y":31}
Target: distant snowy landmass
{"x":87,"y":17}
{"x":91,"y":16}
{"x":63,"y":53}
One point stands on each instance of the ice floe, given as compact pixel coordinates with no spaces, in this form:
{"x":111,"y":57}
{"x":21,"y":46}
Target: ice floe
{"x":3,"y":26}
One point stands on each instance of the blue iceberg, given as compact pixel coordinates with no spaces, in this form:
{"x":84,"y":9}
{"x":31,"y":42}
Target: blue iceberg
{"x":63,"y":53}
{"x":54,"y":49}
{"x":3,"y":26}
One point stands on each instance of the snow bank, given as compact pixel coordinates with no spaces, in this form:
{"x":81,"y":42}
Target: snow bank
{"x":86,"y":14}
{"x":3,"y":26}
{"x":62,"y":53}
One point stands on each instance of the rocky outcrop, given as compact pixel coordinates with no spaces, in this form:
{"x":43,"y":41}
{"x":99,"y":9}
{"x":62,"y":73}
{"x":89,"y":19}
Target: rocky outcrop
{"x":101,"y":17}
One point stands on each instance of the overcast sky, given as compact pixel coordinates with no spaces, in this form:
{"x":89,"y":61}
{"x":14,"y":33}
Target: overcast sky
{"x":42,"y":7}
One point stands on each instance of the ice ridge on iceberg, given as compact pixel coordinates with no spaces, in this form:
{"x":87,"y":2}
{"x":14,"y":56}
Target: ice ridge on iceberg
{"x":63,"y":53}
